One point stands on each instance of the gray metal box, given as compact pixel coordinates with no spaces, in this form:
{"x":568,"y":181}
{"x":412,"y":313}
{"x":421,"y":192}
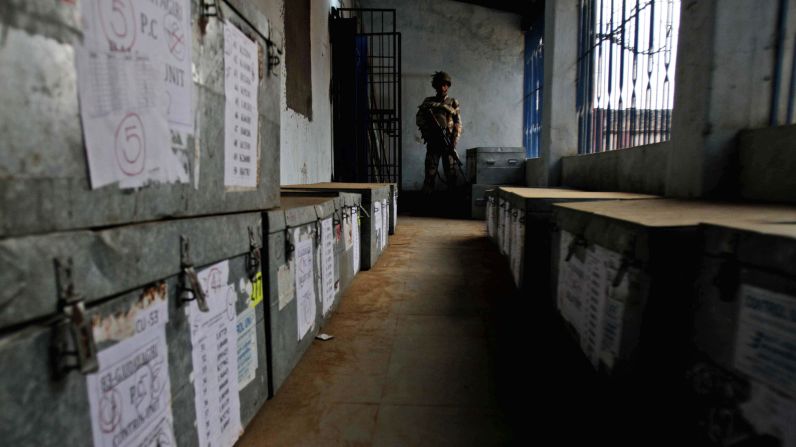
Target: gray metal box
{"x":624,"y":273}
{"x":496,"y":165}
{"x":44,"y":179}
{"x":478,"y":200}
{"x":373,"y":222}
{"x":116,"y":275}
{"x":745,"y":326}
{"x":530,"y":226}
{"x":339,"y":206}
{"x":286,"y":228}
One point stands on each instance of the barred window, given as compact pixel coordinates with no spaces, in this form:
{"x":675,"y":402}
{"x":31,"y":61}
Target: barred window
{"x":627,"y":51}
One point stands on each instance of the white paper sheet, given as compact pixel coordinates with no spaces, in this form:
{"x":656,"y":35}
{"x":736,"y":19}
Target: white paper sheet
{"x":151,"y":309}
{"x":771,"y":412}
{"x":385,"y":224}
{"x":355,"y":238}
{"x":241,"y":153}
{"x":327,"y":264}
{"x":215,"y":359}
{"x":571,"y":282}
{"x":286,"y":283}
{"x":517,"y":251}
{"x":488,"y":213}
{"x":593,"y":301}
{"x":765,"y":345}
{"x":305,"y":280}
{"x":347,"y":227}
{"x":247,"y":347}
{"x":376,"y":223}
{"x":135,"y":88}
{"x":394,"y":213}
{"x":130,"y":395}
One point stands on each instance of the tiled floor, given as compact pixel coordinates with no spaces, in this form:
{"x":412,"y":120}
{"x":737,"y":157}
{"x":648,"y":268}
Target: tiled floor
{"x":414,"y":358}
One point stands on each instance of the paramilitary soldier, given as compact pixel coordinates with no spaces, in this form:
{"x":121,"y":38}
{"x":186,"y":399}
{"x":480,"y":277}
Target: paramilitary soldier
{"x":445,"y":110}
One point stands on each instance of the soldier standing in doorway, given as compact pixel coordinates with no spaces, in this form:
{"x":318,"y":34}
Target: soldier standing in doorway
{"x":440,"y":123}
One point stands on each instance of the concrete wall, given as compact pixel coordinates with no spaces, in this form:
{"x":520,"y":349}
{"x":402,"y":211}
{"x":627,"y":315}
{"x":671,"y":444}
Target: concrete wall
{"x":722,"y":85}
{"x":482,"y":49}
{"x":768,"y":163}
{"x":639,"y":169}
{"x":306,"y":145}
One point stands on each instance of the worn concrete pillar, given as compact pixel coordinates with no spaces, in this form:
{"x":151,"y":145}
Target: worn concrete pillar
{"x":722,"y":85}
{"x":559,"y":115}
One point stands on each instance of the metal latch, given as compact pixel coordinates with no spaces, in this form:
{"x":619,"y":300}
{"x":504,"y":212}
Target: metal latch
{"x":624,"y":265}
{"x":253,"y":261}
{"x":212,"y":8}
{"x":190,"y":289}
{"x":74,"y":321}
{"x":359,"y":205}
{"x":578,"y":241}
{"x":512,"y":161}
{"x":290,"y":247}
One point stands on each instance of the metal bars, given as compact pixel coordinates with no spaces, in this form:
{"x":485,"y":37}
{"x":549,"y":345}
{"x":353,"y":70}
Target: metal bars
{"x":378,"y":45}
{"x":626,"y":62}
{"x":533,"y":84}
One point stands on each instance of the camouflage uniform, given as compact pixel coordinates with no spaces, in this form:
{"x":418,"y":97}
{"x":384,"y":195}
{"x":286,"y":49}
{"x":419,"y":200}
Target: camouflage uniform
{"x":446,"y":112}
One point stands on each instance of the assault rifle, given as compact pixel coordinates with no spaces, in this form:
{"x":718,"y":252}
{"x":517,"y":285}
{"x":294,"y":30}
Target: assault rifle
{"x":446,"y":142}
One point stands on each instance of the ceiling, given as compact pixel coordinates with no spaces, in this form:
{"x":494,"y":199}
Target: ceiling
{"x":528,"y":9}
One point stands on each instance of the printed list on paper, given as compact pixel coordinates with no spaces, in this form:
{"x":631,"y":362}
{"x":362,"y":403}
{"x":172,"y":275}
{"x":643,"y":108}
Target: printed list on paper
{"x":247,"y":347}
{"x":305,"y":289}
{"x":241,"y":152}
{"x":327,"y":264}
{"x":215,"y":359}
{"x":130,"y":396}
{"x":355,"y":238}
{"x":135,"y":87}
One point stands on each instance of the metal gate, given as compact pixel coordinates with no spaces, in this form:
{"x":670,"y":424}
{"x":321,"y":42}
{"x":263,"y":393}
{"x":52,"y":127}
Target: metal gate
{"x":366,"y":95}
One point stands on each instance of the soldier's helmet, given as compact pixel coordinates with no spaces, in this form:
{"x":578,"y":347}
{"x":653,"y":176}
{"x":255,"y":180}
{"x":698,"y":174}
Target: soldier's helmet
{"x":439,"y":77}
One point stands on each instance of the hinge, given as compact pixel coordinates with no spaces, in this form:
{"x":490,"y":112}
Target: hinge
{"x":253,"y":261}
{"x":190,"y":289}
{"x":73,"y":336}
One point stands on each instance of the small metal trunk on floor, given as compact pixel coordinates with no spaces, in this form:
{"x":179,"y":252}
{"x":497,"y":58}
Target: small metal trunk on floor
{"x":76,"y":305}
{"x":742,"y":374}
{"x":374,"y":215}
{"x":340,"y":207}
{"x":47,"y":183}
{"x":496,"y":165}
{"x":293,"y":260}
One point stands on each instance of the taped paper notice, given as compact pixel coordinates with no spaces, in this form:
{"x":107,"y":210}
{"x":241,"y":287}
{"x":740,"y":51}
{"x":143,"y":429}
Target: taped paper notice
{"x":241,"y":153}
{"x":765,"y":346}
{"x":305,"y":285}
{"x":394,"y":213}
{"x":571,"y":281}
{"x":347,"y":228}
{"x":256,"y":296}
{"x":517,"y":246}
{"x":385,"y":224}
{"x":377,"y":224}
{"x":285,"y":282}
{"x":135,"y":87}
{"x":247,"y":347}
{"x":771,"y":413}
{"x":355,"y":238}
{"x":327,"y":264}
{"x":215,"y":359}
{"x":150,"y":310}
{"x":130,"y":396}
